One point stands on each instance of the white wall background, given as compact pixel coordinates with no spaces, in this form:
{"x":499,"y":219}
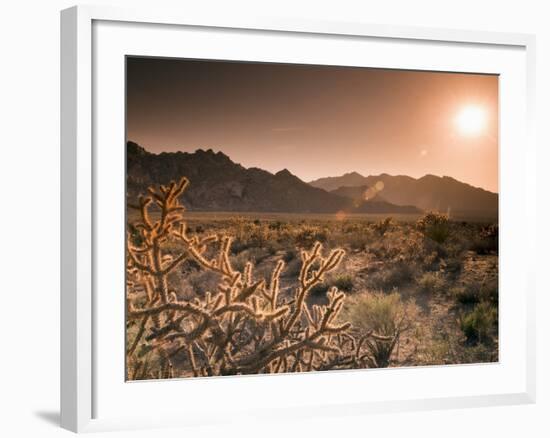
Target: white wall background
{"x":29,"y":215}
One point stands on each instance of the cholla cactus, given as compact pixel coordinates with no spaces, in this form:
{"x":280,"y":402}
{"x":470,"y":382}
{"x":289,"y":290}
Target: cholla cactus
{"x":243,"y":327}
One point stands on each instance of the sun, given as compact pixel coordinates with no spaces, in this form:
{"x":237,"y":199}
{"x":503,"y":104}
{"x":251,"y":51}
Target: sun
{"x":471,"y":120}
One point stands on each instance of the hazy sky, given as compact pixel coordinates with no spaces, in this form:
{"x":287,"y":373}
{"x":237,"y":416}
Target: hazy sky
{"x":319,"y":121}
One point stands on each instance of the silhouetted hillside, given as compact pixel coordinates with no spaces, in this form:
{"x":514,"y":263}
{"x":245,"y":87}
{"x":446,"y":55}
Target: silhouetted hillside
{"x":219,"y":184}
{"x":443,"y":194}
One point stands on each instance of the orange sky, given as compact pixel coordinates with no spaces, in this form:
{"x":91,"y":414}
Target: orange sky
{"x":317,"y":121}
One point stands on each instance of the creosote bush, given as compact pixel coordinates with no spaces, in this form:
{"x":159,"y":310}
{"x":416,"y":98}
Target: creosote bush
{"x":241,"y":324}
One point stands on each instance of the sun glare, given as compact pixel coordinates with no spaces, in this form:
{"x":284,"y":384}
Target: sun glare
{"x":471,"y":120}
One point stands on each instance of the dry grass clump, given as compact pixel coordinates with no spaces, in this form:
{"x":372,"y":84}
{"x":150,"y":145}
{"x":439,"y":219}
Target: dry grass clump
{"x":480,"y":324}
{"x":432,"y":282}
{"x":379,"y":320}
{"x":446,"y":348}
{"x":442,"y":348}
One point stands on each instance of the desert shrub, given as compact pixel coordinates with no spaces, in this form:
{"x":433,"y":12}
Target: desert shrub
{"x":352,"y":227}
{"x":239,"y":246}
{"x":320,"y":289}
{"x":452,"y":265}
{"x":379,"y":320}
{"x":437,"y":352}
{"x":465,"y":295}
{"x":357,"y":236}
{"x":290,"y":255}
{"x":435,"y":226}
{"x":343,"y":282}
{"x":486,"y":241}
{"x":134,"y":235}
{"x":189,"y":265}
{"x":359,"y":242}
{"x":277,"y":225}
{"x":478,"y":353}
{"x":240,"y":229}
{"x":292,"y":269}
{"x":273,"y":248}
{"x":243,"y":325}
{"x":478,"y":324}
{"x":203,"y":282}
{"x":395,"y":245}
{"x":260,"y":235}
{"x":471,"y":293}
{"x":489,"y":291}
{"x":442,"y":346}
{"x":383,"y":226}
{"x":447,"y":348}
{"x":481,"y":245}
{"x":393,"y":275}
{"x":430,"y":260}
{"x":240,"y":260}
{"x":431,"y":282}
{"x":308,"y":235}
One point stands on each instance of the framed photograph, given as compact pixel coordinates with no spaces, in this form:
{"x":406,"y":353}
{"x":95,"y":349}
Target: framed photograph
{"x":270,"y":218}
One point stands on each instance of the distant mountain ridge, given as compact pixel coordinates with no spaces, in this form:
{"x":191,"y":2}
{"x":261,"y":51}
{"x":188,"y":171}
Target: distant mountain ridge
{"x":358,"y":193}
{"x":219,"y":184}
{"x":429,"y":193}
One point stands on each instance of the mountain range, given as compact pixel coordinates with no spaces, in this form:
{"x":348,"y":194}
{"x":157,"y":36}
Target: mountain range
{"x":219,"y":184}
{"x":430,"y":192}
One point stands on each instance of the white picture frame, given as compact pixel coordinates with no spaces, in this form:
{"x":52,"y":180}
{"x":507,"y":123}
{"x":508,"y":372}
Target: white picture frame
{"x":88,"y":395}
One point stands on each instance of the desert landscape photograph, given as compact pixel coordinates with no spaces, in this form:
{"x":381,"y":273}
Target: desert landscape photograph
{"x":286,"y":218}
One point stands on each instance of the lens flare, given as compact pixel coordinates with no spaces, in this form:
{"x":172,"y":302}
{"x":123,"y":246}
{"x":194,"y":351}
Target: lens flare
{"x":471,"y":120}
